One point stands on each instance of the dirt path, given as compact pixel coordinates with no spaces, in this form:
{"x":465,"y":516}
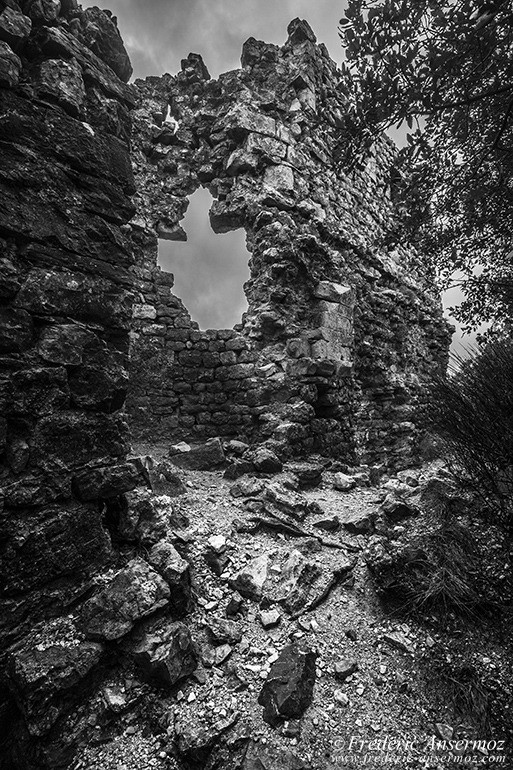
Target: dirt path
{"x":378,"y":716}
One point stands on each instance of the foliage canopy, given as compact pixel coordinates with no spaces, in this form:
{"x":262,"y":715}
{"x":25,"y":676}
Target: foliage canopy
{"x":446,"y":68}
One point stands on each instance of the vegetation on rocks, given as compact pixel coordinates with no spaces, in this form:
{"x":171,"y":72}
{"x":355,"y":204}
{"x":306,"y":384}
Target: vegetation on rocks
{"x":445,"y":68}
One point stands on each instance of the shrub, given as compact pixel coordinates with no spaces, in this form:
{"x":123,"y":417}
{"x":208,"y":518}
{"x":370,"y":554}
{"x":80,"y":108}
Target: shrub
{"x":472,"y":412}
{"x":434,"y":566}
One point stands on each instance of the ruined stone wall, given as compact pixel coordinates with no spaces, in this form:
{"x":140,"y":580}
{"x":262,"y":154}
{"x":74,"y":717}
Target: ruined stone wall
{"x":341,"y":331}
{"x":65,"y":314}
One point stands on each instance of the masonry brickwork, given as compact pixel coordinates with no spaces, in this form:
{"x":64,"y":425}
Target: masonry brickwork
{"x":341,"y":331}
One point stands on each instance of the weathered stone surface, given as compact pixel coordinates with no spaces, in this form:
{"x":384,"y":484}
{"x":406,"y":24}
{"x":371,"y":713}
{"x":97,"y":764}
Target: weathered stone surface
{"x":101,"y":483}
{"x":308,"y":474}
{"x":195,"y":743}
{"x":397,"y":509}
{"x":165,"y":480}
{"x":14,"y":27}
{"x":56,"y":543}
{"x":331,"y":524}
{"x":269,"y":618}
{"x":66,"y":295}
{"x":101,"y":35}
{"x":288,"y":689}
{"x":269,"y":757}
{"x":266,"y":461}
{"x":249,"y":487}
{"x":333,"y":292}
{"x":358,"y":522}
{"x":344,"y":668}
{"x":203,"y":457}
{"x":224,"y":631}
{"x":164,"y":653}
{"x":63,"y":82}
{"x":10,"y":66}
{"x":145,"y":519}
{"x":48,"y":678}
{"x":134,"y":593}
{"x":167,"y":561}
{"x":291,"y":503}
{"x":249,"y":581}
{"x":343,"y":482}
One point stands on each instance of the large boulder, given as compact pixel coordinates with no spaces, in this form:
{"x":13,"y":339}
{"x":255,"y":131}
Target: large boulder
{"x":288,"y":690}
{"x":134,"y":593}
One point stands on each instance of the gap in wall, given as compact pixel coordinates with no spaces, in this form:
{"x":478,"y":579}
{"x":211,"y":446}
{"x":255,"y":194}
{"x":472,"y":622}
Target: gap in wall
{"x":209,"y":268}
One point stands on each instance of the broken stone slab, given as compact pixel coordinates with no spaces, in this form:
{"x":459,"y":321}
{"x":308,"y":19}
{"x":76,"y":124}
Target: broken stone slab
{"x":289,"y":502}
{"x":288,"y":690}
{"x":295,"y":585}
{"x":165,"y":480}
{"x":195,"y":742}
{"x":238,"y":468}
{"x":47,"y":678}
{"x":61,"y":81}
{"x":202,"y":457}
{"x":308,"y":474}
{"x":249,"y":487}
{"x":223,"y":631}
{"x":331,"y":524}
{"x":15,"y":27}
{"x":399,"y":641}
{"x":280,"y":177}
{"x":217,"y":562}
{"x":396,"y":509}
{"x":266,"y":461}
{"x":333,"y":292}
{"x":249,"y":581}
{"x":221,"y":654}
{"x":344,"y":668}
{"x":10,"y":66}
{"x":135,"y":592}
{"x":358,"y":522}
{"x":115,"y":698}
{"x":142,"y":519}
{"x":343,"y":483}
{"x":167,"y":561}
{"x":268,"y":757}
{"x":269,"y":618}
{"x":164,"y":653}
{"x":111,"y":481}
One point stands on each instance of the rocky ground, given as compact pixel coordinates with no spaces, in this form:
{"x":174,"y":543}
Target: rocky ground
{"x":248,"y":632}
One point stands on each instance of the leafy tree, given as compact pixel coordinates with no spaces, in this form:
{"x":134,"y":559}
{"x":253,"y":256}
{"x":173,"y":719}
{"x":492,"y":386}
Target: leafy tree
{"x":446,"y":68}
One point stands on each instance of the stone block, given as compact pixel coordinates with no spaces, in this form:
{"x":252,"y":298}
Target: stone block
{"x":164,"y":653}
{"x":134,"y":593}
{"x":288,"y":690}
{"x":334,"y":292}
{"x":14,"y":27}
{"x":62,"y":81}
{"x":10,"y":67}
{"x":202,"y":457}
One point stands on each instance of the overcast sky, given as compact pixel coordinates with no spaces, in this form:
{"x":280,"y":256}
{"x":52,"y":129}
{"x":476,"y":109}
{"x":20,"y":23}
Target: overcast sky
{"x":210,"y":269}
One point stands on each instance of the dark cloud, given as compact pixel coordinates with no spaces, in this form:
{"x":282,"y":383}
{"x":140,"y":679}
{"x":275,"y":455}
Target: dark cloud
{"x":159,"y":33}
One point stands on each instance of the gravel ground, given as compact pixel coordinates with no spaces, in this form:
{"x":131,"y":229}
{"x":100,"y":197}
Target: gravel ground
{"x":380,"y":716}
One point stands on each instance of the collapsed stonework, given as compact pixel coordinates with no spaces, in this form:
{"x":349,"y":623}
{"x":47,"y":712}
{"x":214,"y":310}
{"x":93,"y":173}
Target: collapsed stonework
{"x":341,"y":331}
{"x":65,"y":315}
{"x":331,"y":356}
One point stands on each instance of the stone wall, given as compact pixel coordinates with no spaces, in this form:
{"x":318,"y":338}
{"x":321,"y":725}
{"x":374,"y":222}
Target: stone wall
{"x":65,"y":314}
{"x":341,"y":330}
